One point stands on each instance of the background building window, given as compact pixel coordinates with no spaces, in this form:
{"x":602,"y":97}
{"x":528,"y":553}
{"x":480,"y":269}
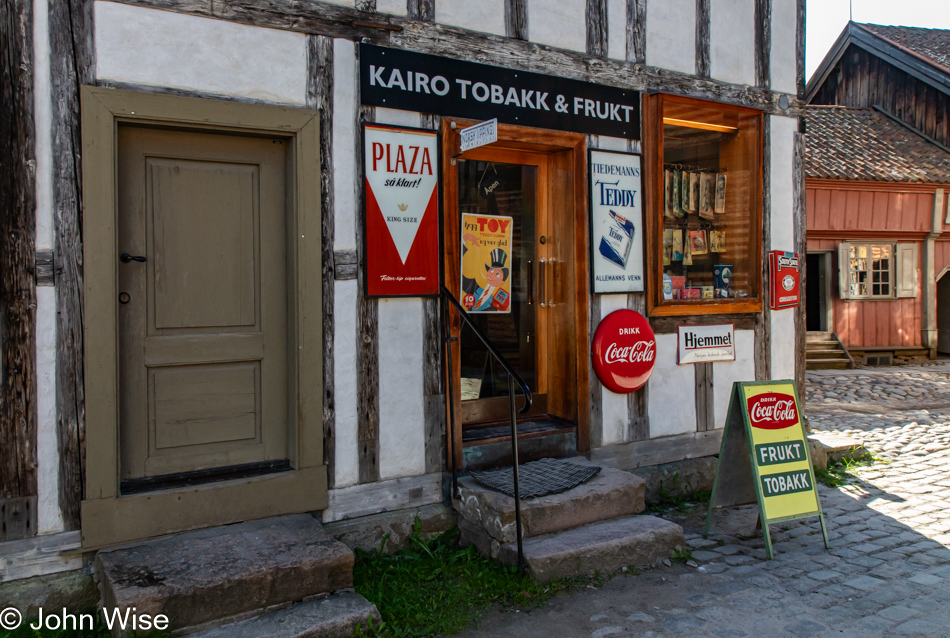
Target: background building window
{"x":877,"y":270}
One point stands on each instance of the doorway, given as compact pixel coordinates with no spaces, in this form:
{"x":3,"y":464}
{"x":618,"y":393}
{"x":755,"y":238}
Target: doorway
{"x":943,"y":312}
{"x":527,"y":294}
{"x":817,"y":293}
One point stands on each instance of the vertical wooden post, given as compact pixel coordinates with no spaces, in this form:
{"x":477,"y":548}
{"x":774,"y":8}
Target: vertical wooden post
{"x":17,"y":267}
{"x":763,"y":42}
{"x":595,"y":17}
{"x":800,"y":50}
{"x":72,"y":60}
{"x":637,"y":31}
{"x":423,"y":10}
{"x":516,"y":19}
{"x":702,"y":38}
{"x":320,"y":97}
{"x":801,"y":247}
{"x":637,"y":410}
{"x":763,"y":322}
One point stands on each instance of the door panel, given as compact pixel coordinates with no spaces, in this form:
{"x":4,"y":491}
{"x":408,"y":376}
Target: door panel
{"x":203,"y":336}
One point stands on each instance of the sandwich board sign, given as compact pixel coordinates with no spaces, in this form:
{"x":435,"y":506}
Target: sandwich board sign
{"x":764,"y":457}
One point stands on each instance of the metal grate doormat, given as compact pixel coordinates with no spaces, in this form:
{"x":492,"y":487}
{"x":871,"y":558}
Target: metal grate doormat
{"x":538,"y":478}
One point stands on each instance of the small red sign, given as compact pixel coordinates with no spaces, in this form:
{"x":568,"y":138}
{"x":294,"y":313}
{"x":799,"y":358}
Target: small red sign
{"x":772,"y":411}
{"x":623,"y":351}
{"x":783,"y":280}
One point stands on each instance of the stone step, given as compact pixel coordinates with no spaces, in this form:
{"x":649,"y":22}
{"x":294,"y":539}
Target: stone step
{"x":825,"y":354}
{"x":827,"y":364}
{"x":487,"y":517}
{"x":830,"y":446}
{"x":634,"y":541}
{"x":338,"y":615}
{"x":207,"y":577}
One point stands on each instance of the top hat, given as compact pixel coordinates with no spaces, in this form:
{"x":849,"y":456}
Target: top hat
{"x":498,"y":259}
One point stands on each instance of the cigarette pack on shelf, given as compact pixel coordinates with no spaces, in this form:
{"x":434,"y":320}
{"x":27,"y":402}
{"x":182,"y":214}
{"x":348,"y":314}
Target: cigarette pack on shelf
{"x":722,"y":280}
{"x":691,"y":293}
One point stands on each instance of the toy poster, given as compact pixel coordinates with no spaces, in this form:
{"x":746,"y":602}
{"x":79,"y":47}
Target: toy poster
{"x":615,"y":211}
{"x":486,"y":263}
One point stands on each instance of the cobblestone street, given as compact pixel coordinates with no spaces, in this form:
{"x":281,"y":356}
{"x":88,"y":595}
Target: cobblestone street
{"x":888,"y":570}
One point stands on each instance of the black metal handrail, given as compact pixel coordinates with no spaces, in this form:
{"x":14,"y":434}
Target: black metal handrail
{"x":513,"y":377}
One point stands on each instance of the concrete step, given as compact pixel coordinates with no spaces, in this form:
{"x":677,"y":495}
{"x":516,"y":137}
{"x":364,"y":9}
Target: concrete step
{"x":487,"y":517}
{"x":338,"y":615}
{"x":635,"y":541}
{"x":207,"y":577}
{"x":827,"y":364}
{"x":829,"y":446}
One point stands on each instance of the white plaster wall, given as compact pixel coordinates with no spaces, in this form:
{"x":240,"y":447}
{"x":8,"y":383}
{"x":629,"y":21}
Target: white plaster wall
{"x":725,"y":373}
{"x":49,"y":515}
{"x":401,"y":397}
{"x":617,"y":29}
{"x":487,"y":16}
{"x":161,"y":48}
{"x":398,"y":118}
{"x":346,"y":450}
{"x":345,"y":136}
{"x":394,"y":7}
{"x":558,"y":23}
{"x":732,"y":40}
{"x":671,"y":400}
{"x":781,"y":185}
{"x":671,"y":35}
{"x":782,"y":62}
{"x":614,"y":406}
{"x":783,"y":344}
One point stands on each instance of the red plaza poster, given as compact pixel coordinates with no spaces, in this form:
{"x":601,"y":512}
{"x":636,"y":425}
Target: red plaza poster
{"x":401,"y":211}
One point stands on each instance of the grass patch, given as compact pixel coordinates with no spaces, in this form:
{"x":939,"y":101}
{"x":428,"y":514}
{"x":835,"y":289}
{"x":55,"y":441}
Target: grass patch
{"x":681,"y":502}
{"x":842,"y":471}
{"x":435,"y":588}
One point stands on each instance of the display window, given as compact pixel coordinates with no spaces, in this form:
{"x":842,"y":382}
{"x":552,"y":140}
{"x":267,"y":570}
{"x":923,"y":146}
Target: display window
{"x":705,"y":212}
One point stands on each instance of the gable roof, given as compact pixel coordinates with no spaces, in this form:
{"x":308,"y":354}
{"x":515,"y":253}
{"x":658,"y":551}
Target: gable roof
{"x":923,"y":53}
{"x":865,"y":144}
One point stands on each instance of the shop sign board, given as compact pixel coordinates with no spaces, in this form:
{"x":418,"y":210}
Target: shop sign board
{"x":703,"y":344}
{"x":623,"y":351}
{"x":478,"y":135}
{"x":616,"y":222}
{"x":783,"y":279}
{"x":486,"y":263}
{"x":401,"y":211}
{"x":764,"y":457}
{"x":400,"y":79}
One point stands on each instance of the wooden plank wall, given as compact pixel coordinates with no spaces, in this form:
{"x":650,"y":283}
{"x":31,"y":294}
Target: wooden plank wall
{"x":863,"y":80}
{"x":850,"y":208}
{"x":18,"y":484}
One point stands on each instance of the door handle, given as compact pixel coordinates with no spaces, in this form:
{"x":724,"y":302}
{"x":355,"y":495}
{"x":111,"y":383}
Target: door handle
{"x":126,"y":258}
{"x":542,"y":293}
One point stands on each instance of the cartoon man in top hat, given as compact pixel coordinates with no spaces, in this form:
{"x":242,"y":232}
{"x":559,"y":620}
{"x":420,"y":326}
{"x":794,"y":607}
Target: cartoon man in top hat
{"x":491,"y":296}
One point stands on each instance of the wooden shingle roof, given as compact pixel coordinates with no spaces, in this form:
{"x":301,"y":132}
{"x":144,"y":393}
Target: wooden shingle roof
{"x":865,"y":144}
{"x":931,"y":44}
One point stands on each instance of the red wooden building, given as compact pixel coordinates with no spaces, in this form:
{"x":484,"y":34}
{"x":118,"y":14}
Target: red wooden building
{"x":875,"y":182}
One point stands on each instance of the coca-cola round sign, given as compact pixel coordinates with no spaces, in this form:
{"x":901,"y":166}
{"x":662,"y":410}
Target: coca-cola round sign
{"x":772,"y":411}
{"x":623,"y":351}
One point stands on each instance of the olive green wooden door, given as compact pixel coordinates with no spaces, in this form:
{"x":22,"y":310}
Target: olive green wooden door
{"x":203,"y":307}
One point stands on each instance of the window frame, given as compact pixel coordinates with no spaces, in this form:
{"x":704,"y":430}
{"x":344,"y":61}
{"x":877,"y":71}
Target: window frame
{"x":653,"y":205}
{"x":892,"y":271}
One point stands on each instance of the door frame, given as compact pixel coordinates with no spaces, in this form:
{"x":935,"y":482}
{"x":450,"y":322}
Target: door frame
{"x":107,"y":517}
{"x":826,"y":310}
{"x":522,"y":138}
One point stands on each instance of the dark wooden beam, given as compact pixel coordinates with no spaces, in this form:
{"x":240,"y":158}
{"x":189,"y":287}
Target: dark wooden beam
{"x":702,"y":38}
{"x":72,"y":65}
{"x":44,"y":268}
{"x":346,"y":263}
{"x":367,"y":343}
{"x":637,"y":410}
{"x":801,"y":247}
{"x":763,"y":324}
{"x":320,"y":98}
{"x":595,"y":17}
{"x":422,"y":10}
{"x":800,"y":49}
{"x":366,"y":6}
{"x":439,"y":39}
{"x":763,"y":42}
{"x":669,"y":325}
{"x":705,"y":415}
{"x":637,"y":31}
{"x":17,"y":265}
{"x":596,"y":388}
{"x":516,"y":19}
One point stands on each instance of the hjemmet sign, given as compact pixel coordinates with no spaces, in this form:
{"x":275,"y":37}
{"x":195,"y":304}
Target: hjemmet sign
{"x":702,"y":344}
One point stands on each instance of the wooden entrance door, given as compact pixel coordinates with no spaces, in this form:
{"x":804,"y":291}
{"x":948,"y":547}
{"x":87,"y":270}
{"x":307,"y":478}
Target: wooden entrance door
{"x":203,"y":303}
{"x":544,"y":332}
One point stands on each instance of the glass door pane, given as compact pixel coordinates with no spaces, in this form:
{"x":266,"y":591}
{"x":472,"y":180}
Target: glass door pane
{"x":505,"y":190}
